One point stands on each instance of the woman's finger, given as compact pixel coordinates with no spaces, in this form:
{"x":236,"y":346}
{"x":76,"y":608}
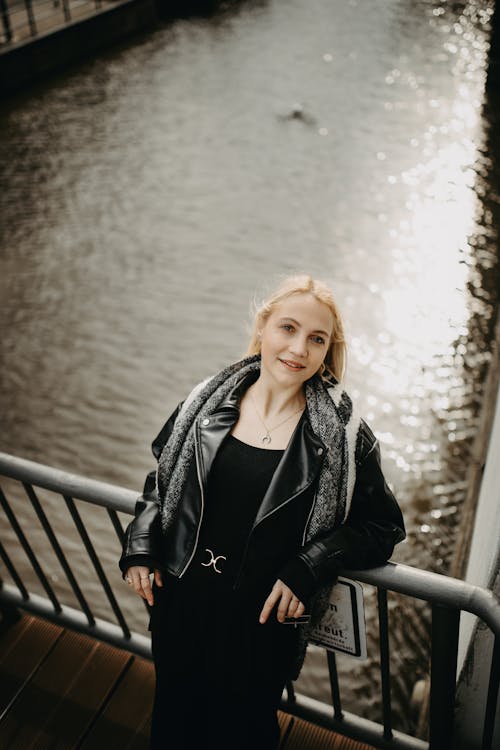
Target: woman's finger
{"x":158,"y":578}
{"x":146,"y":590}
{"x":269,"y":603}
{"x":136,"y":582}
{"x":286,"y":597}
{"x":292,"y":607}
{"x":283,"y":595}
{"x":137,"y":576}
{"x":300,"y":610}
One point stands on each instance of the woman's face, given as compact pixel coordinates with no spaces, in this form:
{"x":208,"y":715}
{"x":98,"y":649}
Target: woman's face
{"x":295,"y":339}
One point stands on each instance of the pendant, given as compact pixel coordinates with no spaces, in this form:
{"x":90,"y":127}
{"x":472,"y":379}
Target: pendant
{"x":266,"y":439}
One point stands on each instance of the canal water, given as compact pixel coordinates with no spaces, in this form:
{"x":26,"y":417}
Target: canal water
{"x":148,"y":195}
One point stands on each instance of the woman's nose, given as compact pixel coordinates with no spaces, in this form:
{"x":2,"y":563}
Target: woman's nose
{"x":299,"y":347}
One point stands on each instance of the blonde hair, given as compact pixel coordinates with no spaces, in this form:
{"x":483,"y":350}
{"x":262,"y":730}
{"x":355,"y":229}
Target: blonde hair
{"x":336,"y":356}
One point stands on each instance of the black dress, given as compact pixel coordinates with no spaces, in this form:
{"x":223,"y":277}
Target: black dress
{"x":220,"y":673}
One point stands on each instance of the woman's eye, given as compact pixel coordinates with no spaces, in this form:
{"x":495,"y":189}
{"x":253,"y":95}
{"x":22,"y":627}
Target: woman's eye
{"x":318,"y":339}
{"x":287,"y":327}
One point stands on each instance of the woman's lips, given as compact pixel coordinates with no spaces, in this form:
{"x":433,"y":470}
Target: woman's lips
{"x":291,"y":365}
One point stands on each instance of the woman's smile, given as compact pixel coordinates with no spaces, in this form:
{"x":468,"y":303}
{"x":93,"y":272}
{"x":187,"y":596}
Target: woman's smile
{"x":291,"y":365}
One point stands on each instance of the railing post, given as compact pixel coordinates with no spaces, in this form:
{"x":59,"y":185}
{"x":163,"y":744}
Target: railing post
{"x":385,"y":673}
{"x":31,"y":17}
{"x":491,"y":702}
{"x":66,"y":11}
{"x":334,"y":685}
{"x":58,"y":551}
{"x":29,"y":552}
{"x":6,"y":21}
{"x":13,"y":572}
{"x":97,"y":564}
{"x":445,"y":623}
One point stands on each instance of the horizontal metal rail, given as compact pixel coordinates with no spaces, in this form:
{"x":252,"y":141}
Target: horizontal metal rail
{"x":434,"y":588}
{"x":90,"y":490}
{"x":448,"y":597}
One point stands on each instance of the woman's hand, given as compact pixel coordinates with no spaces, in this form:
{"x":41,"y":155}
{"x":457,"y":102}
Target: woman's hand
{"x":138,"y":579}
{"x":289,"y":606}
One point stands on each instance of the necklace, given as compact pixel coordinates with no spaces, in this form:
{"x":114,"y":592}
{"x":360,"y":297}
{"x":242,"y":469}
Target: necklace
{"x":266,"y":439}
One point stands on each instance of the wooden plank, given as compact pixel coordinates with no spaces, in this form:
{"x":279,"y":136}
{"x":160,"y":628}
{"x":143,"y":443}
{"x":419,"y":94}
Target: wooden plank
{"x":22,"y":650}
{"x":23,"y":628}
{"x":124,"y":722}
{"x":11,"y":630}
{"x":307,"y":736}
{"x":141,"y":739}
{"x":84,"y":698}
{"x":73,"y":671}
{"x":286,"y":723}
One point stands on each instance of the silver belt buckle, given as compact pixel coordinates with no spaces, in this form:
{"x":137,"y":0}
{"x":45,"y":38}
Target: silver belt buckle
{"x":213,"y":560}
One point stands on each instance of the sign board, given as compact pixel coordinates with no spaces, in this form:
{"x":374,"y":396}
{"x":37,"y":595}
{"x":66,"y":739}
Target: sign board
{"x":342,"y":627}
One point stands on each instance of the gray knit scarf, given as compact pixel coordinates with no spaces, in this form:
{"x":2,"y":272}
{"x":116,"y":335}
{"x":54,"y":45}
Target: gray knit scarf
{"x":333,"y":420}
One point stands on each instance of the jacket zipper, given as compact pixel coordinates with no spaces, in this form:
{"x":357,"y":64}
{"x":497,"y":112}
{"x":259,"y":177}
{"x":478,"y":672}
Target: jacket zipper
{"x":308,"y":519}
{"x":238,"y":578}
{"x":202,"y":494}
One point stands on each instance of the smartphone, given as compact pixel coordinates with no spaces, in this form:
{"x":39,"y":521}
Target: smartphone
{"x":296,"y":620}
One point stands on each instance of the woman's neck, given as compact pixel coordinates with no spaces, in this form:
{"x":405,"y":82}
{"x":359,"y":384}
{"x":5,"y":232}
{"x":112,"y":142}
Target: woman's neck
{"x":272,"y":400}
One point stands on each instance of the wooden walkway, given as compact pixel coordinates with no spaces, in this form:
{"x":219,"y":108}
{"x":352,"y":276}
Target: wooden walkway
{"x":64,"y":691}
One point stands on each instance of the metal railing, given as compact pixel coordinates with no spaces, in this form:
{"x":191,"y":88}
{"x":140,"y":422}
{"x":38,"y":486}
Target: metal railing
{"x":447,"y":596}
{"x":26,"y":19}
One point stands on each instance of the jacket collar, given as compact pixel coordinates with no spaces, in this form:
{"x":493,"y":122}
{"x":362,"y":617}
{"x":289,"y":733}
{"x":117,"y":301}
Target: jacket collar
{"x":298,"y":467}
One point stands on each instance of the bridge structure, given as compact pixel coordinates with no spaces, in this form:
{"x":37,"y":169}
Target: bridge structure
{"x":26,"y":483}
{"x":39,"y":37}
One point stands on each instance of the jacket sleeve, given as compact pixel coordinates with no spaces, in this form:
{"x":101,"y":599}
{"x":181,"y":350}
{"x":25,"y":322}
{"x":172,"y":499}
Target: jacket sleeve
{"x":143,"y":542}
{"x":373,"y":527}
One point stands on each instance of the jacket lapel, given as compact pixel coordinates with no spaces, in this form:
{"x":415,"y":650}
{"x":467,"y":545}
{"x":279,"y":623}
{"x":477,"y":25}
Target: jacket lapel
{"x":299,"y":466}
{"x":210,"y":432}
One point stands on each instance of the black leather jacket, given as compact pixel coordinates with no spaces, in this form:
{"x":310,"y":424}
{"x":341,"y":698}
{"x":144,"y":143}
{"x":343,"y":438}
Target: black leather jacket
{"x":276,"y":546}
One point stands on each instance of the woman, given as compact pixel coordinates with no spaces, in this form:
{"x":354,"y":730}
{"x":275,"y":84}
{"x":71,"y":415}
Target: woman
{"x":267,"y":484}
